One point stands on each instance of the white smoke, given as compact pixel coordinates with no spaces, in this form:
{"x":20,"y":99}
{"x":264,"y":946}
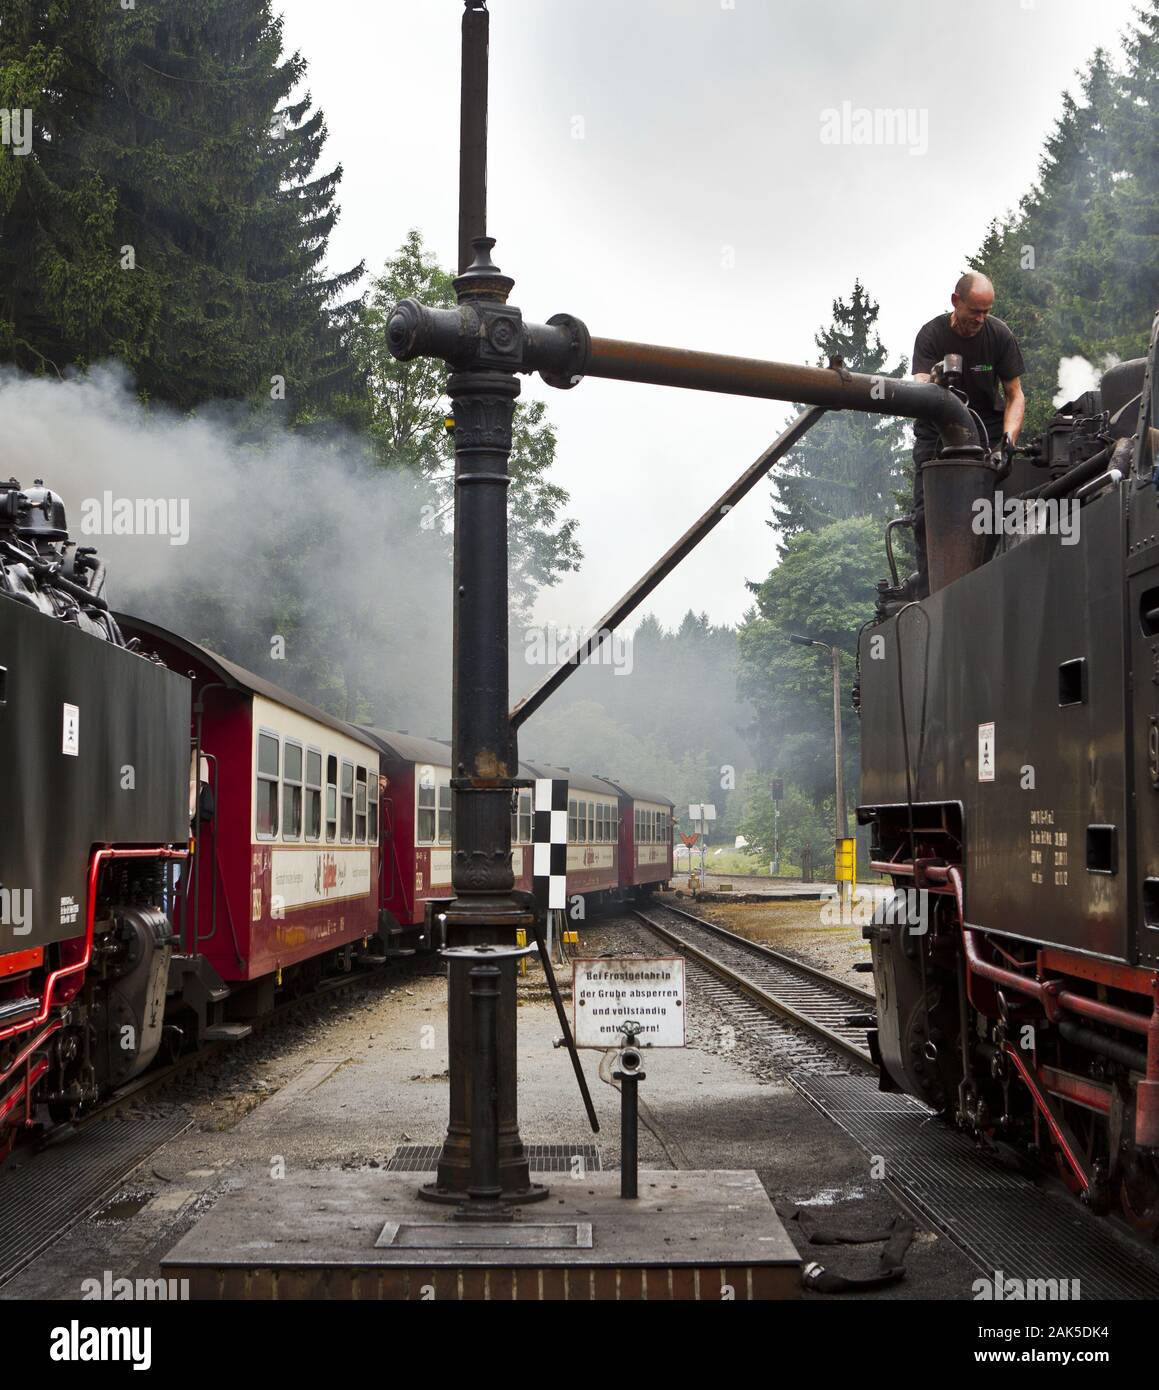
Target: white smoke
{"x":288,"y":537}
{"x":1076,"y":375}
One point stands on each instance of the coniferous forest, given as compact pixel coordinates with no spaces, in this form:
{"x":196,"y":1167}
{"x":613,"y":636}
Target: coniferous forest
{"x":166,"y":244}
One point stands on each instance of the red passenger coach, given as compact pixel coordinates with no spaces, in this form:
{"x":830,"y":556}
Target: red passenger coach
{"x":286,"y":863}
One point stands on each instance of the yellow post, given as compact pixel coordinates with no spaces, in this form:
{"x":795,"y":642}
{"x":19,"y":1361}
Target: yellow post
{"x":521,"y":940}
{"x":845,"y":866}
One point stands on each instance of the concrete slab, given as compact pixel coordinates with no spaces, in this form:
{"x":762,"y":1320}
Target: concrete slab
{"x":710,"y":1235}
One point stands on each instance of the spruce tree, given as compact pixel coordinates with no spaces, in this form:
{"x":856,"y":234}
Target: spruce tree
{"x":849,"y":463}
{"x":1061,"y":271}
{"x":169,"y":213}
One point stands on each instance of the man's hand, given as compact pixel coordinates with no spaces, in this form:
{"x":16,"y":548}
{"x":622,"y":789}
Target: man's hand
{"x":1002,"y":455}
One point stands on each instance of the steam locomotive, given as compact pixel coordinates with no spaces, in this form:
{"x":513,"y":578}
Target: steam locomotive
{"x":1010,"y":771}
{"x":183,"y":842}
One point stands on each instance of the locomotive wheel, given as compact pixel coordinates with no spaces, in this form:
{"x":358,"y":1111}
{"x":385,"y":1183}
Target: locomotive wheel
{"x":1139,"y":1196}
{"x":63,"y":1112}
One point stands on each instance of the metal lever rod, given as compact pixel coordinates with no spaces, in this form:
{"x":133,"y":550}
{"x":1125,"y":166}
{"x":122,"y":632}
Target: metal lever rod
{"x":561,"y":1014}
{"x":668,"y":562}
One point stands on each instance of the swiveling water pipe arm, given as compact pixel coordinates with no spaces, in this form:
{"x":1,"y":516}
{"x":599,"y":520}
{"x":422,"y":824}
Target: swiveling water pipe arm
{"x":563,"y":352}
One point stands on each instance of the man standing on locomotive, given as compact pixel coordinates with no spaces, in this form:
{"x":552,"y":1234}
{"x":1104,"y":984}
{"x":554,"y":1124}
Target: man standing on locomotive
{"x":990,"y":354}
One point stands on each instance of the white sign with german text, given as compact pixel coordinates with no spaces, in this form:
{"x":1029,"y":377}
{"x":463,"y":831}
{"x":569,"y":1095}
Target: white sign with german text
{"x":986,"y":752}
{"x":610,"y":992}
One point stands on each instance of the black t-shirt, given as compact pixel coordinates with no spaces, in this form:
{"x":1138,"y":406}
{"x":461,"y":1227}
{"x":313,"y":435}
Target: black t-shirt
{"x":989,"y":358}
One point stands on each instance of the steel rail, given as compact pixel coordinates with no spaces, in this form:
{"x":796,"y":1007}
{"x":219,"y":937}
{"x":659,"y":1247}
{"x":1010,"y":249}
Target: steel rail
{"x":771,"y":1002}
{"x":821,"y":976}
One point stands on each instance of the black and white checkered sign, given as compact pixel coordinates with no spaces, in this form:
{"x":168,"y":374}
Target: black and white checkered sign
{"x":549,"y":844}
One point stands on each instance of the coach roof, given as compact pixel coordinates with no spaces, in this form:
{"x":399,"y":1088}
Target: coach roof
{"x":237,"y":677}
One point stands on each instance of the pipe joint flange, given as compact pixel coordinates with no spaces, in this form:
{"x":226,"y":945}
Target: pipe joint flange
{"x":579,"y":351}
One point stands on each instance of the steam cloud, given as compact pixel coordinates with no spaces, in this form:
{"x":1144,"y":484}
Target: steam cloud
{"x":1076,"y":375}
{"x":289,"y":536}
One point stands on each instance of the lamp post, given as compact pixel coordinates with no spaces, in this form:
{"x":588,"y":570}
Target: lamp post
{"x":840,"y":820}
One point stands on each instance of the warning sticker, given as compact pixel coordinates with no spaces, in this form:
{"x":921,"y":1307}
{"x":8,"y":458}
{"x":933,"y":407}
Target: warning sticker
{"x":70,"y":738}
{"x":986,"y":752}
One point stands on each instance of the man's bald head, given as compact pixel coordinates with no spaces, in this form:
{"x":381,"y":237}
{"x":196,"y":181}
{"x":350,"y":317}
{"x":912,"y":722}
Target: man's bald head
{"x":973,"y":298}
{"x":973,"y":280}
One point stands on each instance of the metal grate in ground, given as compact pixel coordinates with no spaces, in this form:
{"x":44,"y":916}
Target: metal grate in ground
{"x":541,"y":1158}
{"x":1000,"y":1219}
{"x":47,"y":1191}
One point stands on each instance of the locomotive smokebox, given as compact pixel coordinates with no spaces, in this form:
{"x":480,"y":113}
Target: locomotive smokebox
{"x":953,"y":483}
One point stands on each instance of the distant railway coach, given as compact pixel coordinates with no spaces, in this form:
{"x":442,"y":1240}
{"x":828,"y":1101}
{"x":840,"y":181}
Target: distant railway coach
{"x":416,"y":883}
{"x":645,"y":839}
{"x":593,"y":832}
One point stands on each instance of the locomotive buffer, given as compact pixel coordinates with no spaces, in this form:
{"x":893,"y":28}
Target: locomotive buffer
{"x":716,"y":1229}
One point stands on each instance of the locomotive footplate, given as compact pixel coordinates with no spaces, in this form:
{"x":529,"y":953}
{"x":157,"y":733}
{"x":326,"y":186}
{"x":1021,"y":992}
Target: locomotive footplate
{"x":366,"y":1235}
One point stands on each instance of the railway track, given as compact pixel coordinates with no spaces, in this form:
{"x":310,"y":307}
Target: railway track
{"x":807,"y":997}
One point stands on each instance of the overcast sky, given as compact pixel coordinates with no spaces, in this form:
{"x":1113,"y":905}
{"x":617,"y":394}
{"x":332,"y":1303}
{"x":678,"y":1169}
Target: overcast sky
{"x":658,"y":168}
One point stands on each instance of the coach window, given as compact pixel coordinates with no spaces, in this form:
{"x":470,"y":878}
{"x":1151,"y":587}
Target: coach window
{"x":426,"y":823}
{"x":445,"y":814}
{"x":521,"y":820}
{"x":360,"y":805}
{"x":571,"y":821}
{"x":331,"y":799}
{"x":347,"y":828}
{"x":313,"y":794}
{"x":266,"y":788}
{"x":599,"y":822}
{"x":372,"y":809}
{"x":291,"y":791}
